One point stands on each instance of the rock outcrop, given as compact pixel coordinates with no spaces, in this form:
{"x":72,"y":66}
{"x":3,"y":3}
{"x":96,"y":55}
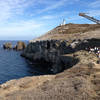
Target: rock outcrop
{"x":49,"y":51}
{"x":53,"y":52}
{"x":20,"y":46}
{"x":7,"y":45}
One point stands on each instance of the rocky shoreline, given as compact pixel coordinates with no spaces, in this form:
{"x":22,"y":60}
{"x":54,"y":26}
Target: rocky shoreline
{"x":79,"y":77}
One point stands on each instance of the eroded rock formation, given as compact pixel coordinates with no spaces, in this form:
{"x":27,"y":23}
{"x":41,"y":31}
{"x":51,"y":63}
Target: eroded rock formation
{"x":20,"y":46}
{"x":7,"y":45}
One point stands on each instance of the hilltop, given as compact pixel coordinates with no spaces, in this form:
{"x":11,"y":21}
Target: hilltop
{"x":71,"y":32}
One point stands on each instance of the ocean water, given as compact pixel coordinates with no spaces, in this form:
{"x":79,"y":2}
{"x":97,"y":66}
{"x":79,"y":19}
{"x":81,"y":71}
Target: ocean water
{"x":13,"y":66}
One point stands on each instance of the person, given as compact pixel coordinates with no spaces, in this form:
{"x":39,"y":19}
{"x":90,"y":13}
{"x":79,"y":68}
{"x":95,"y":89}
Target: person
{"x":99,"y":57}
{"x":91,"y":50}
{"x":95,"y":49}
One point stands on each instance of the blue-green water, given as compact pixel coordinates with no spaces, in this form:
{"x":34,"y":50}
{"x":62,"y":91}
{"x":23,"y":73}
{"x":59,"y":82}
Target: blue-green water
{"x":12,"y":65}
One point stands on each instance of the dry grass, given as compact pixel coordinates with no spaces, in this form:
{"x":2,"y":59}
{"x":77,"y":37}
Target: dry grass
{"x":65,"y":86}
{"x":71,"y":32}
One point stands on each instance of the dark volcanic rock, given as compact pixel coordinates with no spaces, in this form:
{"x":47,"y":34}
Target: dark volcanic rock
{"x":54,"y":52}
{"x":49,"y":51}
{"x":88,"y":43}
{"x":7,"y":45}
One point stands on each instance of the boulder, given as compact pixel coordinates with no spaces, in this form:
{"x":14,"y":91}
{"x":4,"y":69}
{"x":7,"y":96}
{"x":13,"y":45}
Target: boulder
{"x":7,"y":45}
{"x":20,"y":46}
{"x":74,"y":44}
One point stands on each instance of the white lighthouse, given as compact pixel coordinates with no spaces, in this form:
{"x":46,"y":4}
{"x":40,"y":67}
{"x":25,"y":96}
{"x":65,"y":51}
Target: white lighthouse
{"x":63,"y":23}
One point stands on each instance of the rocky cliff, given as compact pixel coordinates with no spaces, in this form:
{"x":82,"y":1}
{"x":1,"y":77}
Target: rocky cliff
{"x":50,"y":54}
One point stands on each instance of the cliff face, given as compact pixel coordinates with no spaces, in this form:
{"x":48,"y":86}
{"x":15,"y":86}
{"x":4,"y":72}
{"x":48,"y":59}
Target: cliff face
{"x":52,"y":54}
{"x":49,"y":53}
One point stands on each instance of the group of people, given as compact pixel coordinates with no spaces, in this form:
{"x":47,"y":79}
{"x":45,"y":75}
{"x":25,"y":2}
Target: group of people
{"x":95,"y":50}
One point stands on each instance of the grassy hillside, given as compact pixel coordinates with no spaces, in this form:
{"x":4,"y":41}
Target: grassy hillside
{"x":71,"y":32}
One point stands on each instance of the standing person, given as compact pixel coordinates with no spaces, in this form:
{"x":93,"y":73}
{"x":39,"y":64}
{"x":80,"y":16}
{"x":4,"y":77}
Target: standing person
{"x":99,"y":57}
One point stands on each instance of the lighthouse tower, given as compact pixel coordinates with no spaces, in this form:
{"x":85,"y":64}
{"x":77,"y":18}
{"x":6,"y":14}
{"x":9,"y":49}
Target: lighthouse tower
{"x":63,"y":23}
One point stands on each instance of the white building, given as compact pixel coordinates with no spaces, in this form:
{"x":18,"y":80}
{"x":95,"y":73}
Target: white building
{"x":63,"y":23}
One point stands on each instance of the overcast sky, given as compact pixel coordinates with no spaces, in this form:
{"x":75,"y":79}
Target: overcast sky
{"x":27,"y":19}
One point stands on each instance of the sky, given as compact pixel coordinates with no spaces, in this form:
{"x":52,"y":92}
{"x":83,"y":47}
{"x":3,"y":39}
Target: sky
{"x":28,"y":19}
